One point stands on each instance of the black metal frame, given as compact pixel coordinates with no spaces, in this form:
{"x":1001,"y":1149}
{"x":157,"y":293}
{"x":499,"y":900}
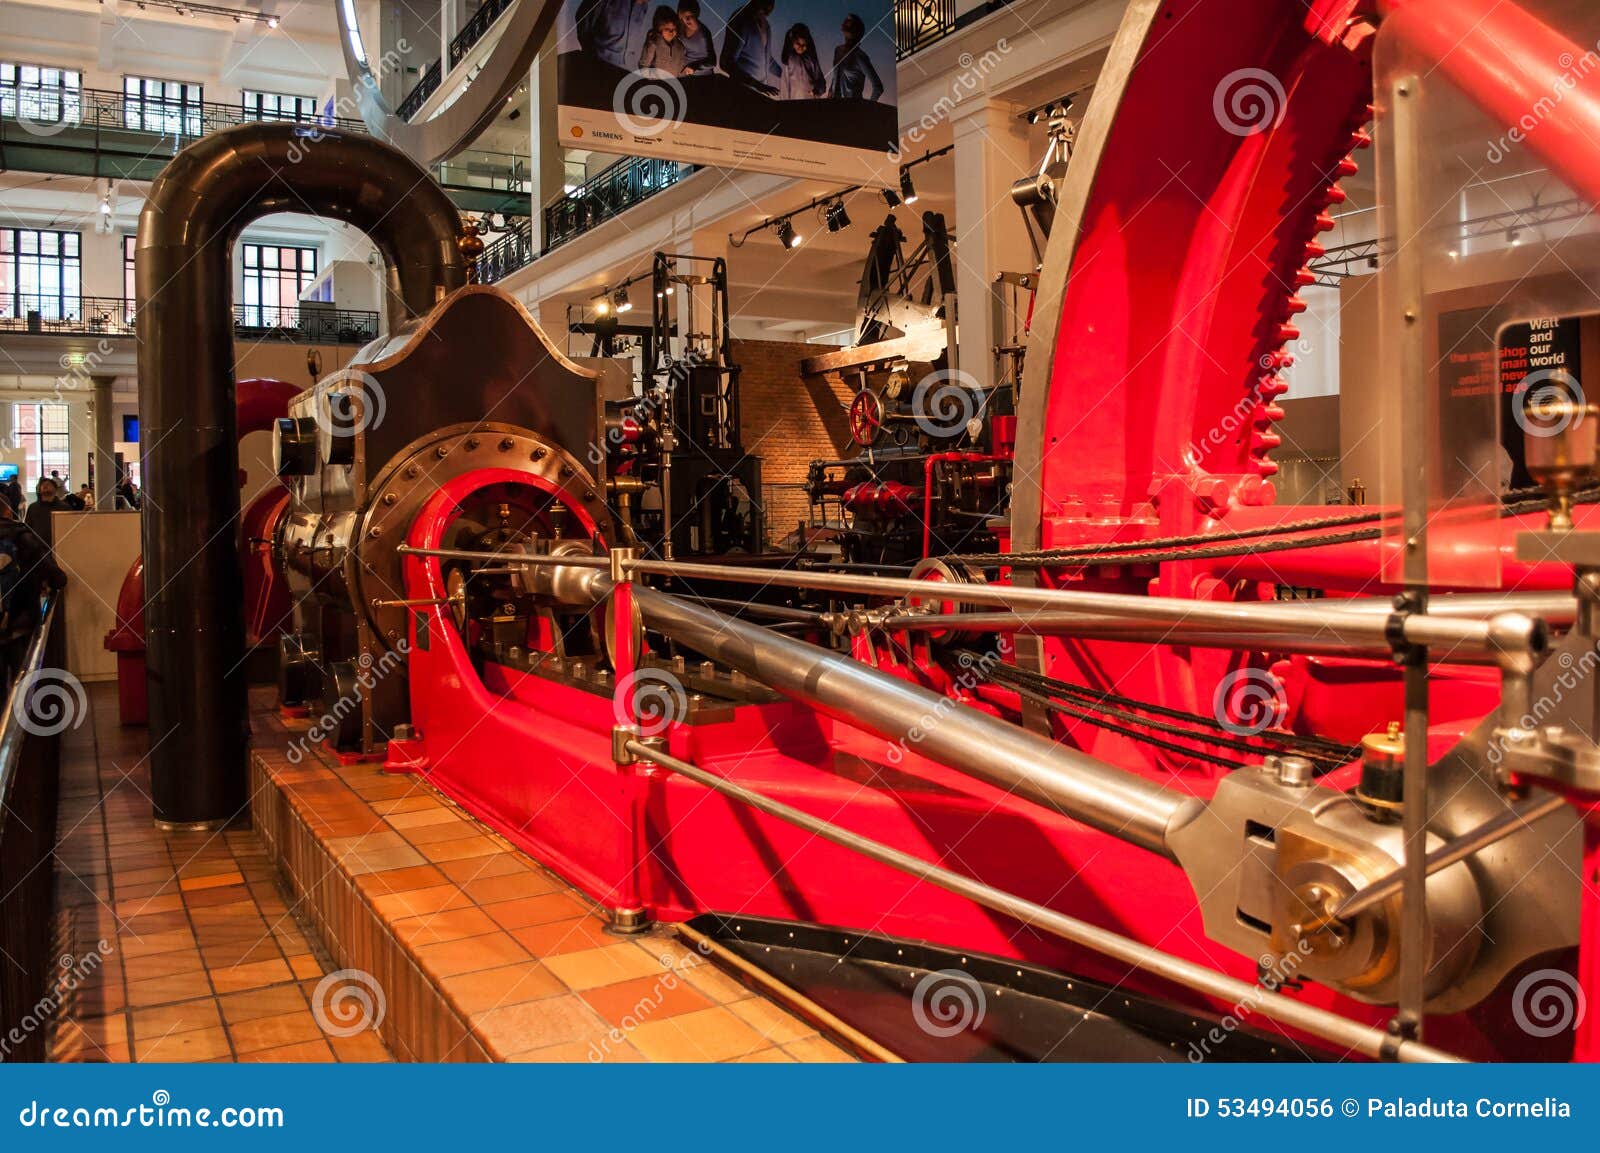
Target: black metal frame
{"x":30,"y":761}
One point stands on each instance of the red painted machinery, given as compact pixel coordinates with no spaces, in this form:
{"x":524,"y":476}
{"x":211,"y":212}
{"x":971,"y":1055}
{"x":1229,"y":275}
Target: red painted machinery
{"x":1331,"y":765}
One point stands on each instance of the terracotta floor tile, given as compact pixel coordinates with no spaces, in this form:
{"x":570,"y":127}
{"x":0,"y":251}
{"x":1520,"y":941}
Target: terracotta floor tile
{"x":470,"y":954}
{"x":359,"y":861}
{"x":251,"y":976}
{"x":265,"y":1002}
{"x":305,"y":1051}
{"x":591,"y":968}
{"x":420,"y":817}
{"x":194,"y":1045}
{"x":175,"y":987}
{"x":449,"y":925}
{"x":541,"y":910}
{"x":604,"y":1050}
{"x":627,"y":1003}
{"x":538,"y":1024}
{"x":401,"y":880}
{"x":419,"y":902}
{"x":482,"y":868}
{"x":709,"y":1035}
{"x":777,"y":1025}
{"x":459,"y":849}
{"x":495,"y":988}
{"x":182,"y":1017}
{"x":764,"y":1057}
{"x":362,"y":1048}
{"x":366,"y":843}
{"x":189,"y":884}
{"x":452,"y":830}
{"x":514,"y":886}
{"x":221,"y":957}
{"x":200,"y":899}
{"x":140,"y":906}
{"x":274,"y":1032}
{"x":143,"y":944}
{"x":559,"y":937}
{"x":148,"y":925}
{"x":817,"y":1049}
{"x":162,"y":964}
{"x":305,"y":965}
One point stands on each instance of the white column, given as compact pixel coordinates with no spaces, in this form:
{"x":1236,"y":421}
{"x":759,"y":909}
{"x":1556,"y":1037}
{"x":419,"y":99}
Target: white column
{"x":991,"y":151}
{"x":105,"y":460}
{"x":547,"y":173}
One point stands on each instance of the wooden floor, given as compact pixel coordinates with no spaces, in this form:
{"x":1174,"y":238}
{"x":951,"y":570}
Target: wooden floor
{"x":366,"y":917}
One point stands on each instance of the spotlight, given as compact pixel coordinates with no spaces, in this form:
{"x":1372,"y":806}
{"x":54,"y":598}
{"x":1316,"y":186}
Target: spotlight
{"x":836,"y":218}
{"x":602,"y":305}
{"x":891,"y":197}
{"x":272,"y":21}
{"x":1033,"y":116}
{"x":787,"y":236}
{"x":908,"y":191}
{"x":620,"y":299}
{"x":1514,"y":237}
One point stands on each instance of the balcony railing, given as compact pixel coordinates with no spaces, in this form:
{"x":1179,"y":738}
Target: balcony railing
{"x":920,"y":23}
{"x":609,"y":192}
{"x":505,"y":255}
{"x":475,"y":28}
{"x":307,"y":323}
{"x":418,"y":96}
{"x":45,"y":113}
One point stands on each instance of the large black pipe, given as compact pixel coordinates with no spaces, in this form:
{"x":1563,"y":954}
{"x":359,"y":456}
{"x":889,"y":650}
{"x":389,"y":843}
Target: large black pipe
{"x":194,"y":610}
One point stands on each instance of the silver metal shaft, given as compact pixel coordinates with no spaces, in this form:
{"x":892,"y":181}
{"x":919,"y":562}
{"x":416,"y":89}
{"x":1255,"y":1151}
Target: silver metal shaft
{"x":1331,"y":1027}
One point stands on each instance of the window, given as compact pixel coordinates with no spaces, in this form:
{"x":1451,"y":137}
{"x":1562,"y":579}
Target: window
{"x":130,"y":290}
{"x":41,"y":431}
{"x":46,"y":96}
{"x":40,"y":271}
{"x":170,"y":107}
{"x":274,"y":277}
{"x":276,"y":106}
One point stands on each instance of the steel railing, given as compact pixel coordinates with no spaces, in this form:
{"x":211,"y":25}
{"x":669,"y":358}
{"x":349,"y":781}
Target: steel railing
{"x":476,"y":28}
{"x":30,"y":761}
{"x":608,"y":193}
{"x":114,"y":316}
{"x":51,"y":111}
{"x":506,"y":254}
{"x":425,"y":87}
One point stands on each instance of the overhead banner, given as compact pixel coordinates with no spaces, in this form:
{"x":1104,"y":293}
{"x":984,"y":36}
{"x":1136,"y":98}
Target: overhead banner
{"x":796,"y":87}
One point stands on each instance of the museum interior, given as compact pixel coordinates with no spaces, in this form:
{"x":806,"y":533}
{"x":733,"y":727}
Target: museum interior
{"x":931,"y":531}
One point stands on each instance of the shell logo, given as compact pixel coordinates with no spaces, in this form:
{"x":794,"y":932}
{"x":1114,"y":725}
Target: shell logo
{"x":577,"y":130}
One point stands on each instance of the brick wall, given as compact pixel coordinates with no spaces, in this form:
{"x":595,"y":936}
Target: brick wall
{"x":789,"y":421}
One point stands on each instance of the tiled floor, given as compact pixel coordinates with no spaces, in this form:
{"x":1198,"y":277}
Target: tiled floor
{"x":476,"y":952}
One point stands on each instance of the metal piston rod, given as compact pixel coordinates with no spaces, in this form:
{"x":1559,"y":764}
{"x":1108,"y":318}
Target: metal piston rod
{"x":1356,"y":1037}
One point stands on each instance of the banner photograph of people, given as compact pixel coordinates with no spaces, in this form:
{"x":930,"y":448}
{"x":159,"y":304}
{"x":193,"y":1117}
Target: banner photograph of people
{"x":796,"y":87}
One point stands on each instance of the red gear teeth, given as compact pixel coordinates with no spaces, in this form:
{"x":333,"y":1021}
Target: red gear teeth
{"x":1276,"y":357}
